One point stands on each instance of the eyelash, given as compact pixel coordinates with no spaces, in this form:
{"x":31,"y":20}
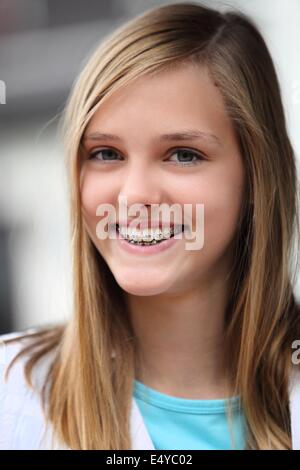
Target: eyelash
{"x":192,"y":152}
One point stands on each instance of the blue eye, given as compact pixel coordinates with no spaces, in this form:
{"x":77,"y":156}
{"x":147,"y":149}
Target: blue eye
{"x":108,"y":155}
{"x":188,"y":156}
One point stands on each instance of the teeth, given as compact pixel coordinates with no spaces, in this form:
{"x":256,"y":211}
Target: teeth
{"x":147,"y":235}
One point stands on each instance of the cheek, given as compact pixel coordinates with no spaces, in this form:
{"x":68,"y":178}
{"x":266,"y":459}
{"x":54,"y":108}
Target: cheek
{"x":93,"y":192}
{"x":220,"y":191}
{"x":222,"y":205}
{"x":89,"y":195}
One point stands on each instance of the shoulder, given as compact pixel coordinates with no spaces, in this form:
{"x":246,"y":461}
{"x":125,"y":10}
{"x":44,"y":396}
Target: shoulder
{"x":294,"y":380}
{"x":294,"y":404}
{"x":21,"y":415}
{"x":10,"y":345}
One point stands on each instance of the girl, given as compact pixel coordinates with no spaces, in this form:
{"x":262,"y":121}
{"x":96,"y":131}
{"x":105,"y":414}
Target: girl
{"x":171,"y":347}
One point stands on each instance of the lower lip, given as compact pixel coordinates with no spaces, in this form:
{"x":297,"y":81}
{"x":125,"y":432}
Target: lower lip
{"x":146,"y":250}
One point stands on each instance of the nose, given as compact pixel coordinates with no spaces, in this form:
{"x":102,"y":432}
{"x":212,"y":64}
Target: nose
{"x":140,"y":185}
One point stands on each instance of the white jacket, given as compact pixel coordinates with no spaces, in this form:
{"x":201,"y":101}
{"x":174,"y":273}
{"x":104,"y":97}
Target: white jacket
{"x":22,"y":425}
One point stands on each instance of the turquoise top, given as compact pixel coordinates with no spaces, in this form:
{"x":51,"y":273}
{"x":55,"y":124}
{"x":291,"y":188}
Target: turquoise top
{"x":188,"y":424}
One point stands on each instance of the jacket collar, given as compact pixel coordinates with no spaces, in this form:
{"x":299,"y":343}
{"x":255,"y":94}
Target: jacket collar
{"x":139,"y":435}
{"x":294,"y":403}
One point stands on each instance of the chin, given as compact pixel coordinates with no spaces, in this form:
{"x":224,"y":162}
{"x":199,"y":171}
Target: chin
{"x":142,"y":292}
{"x":140,"y":287}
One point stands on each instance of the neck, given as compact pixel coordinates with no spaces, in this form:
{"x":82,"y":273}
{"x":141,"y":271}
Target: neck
{"x":180,"y":342}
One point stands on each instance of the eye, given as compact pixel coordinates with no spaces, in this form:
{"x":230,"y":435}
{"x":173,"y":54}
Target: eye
{"x":107,"y":155}
{"x":189,"y":157}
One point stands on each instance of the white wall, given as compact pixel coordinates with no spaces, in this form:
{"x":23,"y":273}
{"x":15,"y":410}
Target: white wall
{"x":34,"y":204}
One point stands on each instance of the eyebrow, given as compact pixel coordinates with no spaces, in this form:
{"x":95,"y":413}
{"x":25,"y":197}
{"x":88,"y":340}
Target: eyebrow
{"x":188,"y":134}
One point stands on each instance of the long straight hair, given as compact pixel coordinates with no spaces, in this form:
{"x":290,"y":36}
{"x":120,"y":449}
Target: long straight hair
{"x":90,"y":391}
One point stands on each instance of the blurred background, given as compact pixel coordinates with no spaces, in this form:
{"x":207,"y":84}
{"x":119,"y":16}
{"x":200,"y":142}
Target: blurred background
{"x":43,"y":44}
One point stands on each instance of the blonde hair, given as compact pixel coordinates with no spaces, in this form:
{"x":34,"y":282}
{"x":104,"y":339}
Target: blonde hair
{"x":91,"y":391}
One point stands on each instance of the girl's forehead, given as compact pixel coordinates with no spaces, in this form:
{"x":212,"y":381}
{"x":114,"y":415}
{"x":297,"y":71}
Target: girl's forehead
{"x":175,"y":99}
{"x":188,"y":83}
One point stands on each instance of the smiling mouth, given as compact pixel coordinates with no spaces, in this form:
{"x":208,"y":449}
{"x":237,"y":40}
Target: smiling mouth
{"x":136,"y":238}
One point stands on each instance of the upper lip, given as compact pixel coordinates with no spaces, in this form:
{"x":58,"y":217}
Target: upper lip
{"x":146,"y":224}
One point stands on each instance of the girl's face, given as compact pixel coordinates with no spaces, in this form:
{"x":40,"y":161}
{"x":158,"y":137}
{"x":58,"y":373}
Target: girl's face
{"x":148,"y":169}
